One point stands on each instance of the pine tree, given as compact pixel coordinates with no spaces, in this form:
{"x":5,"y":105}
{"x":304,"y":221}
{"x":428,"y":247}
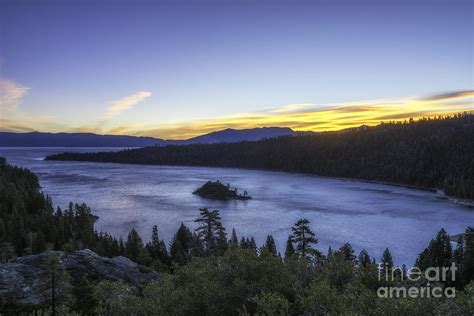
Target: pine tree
{"x":197,"y":249}
{"x":386,"y":262}
{"x":182,"y":246}
{"x":437,"y":254}
{"x":115,"y":248}
{"x":442,"y":251}
{"x":425,"y":258}
{"x":458,"y":259}
{"x":290,"y":250}
{"x":54,"y":281}
{"x":243,"y":243}
{"x":347,"y":251}
{"x":153,"y":245}
{"x":85,"y":223}
{"x":270,"y":245}
{"x":303,"y":237}
{"x":364,"y":258}
{"x":252,"y":244}
{"x":468,"y":265}
{"x":210,"y":232}
{"x":121,"y":246}
{"x":234,"y":241}
{"x":221,"y":241}
{"x":330,"y":254}
{"x":133,"y":246}
{"x":157,"y":247}
{"x":144,"y":257}
{"x":85,"y":298}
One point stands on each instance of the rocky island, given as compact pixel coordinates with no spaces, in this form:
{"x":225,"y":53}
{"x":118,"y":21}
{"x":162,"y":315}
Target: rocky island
{"x":216,"y":190}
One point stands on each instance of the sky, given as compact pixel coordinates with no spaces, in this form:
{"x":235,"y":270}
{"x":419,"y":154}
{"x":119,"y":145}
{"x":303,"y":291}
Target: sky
{"x":179,"y":69}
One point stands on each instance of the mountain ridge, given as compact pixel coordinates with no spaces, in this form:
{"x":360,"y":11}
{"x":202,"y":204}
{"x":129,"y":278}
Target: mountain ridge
{"x":46,"y":139}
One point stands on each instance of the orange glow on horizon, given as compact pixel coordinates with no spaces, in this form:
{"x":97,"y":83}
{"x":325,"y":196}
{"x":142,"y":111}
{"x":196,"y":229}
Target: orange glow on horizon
{"x":307,"y":117}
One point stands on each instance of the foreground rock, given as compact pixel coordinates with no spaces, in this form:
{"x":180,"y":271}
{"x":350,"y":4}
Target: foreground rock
{"x":20,"y":278}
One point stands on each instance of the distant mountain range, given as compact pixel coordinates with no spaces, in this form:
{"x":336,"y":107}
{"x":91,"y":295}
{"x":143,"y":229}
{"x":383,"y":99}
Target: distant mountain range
{"x":38,"y":139}
{"x":236,"y":135}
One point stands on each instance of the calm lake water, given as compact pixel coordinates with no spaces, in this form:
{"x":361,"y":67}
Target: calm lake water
{"x":371,"y":216}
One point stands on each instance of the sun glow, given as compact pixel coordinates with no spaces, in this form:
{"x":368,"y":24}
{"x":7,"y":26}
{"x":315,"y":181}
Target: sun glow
{"x":311,"y":117}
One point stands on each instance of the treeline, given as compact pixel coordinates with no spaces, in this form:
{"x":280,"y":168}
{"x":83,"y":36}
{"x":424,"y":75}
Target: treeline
{"x":207,"y":273}
{"x":432,"y":153}
{"x":210,"y":239}
{"x":249,"y":280}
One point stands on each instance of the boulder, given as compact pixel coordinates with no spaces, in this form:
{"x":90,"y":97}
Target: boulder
{"x":20,"y":278}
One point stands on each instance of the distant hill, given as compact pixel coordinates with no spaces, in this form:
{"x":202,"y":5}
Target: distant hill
{"x":233,"y":135}
{"x":38,"y":139}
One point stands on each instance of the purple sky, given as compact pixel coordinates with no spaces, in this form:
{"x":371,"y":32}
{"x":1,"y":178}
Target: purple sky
{"x":151,"y":65}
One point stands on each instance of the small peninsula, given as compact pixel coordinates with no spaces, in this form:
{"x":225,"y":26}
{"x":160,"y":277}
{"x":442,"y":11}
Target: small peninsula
{"x":216,"y":190}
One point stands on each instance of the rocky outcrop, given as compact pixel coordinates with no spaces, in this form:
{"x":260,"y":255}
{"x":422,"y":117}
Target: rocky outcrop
{"x":20,"y":278}
{"x":216,"y":190}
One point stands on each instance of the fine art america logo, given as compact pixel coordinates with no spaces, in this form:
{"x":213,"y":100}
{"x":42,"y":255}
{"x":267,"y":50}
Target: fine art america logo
{"x":434,"y":276}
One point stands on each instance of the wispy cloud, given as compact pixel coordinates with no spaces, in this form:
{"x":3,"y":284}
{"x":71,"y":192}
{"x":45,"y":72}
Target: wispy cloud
{"x":7,"y":125}
{"x":126,"y":103}
{"x":455,"y":95}
{"x":13,"y":118}
{"x":11,"y":94}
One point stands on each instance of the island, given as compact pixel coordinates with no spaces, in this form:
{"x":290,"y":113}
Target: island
{"x":216,"y":190}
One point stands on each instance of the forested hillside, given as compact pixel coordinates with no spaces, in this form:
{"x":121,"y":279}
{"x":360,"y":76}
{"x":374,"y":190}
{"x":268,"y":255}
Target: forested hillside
{"x":30,"y":225}
{"x":432,"y":153}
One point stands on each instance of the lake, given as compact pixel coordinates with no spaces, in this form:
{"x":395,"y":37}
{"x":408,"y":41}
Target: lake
{"x":368,"y":215}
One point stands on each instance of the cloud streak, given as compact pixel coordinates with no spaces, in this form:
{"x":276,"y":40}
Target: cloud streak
{"x":126,"y":103}
{"x":13,"y":118}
